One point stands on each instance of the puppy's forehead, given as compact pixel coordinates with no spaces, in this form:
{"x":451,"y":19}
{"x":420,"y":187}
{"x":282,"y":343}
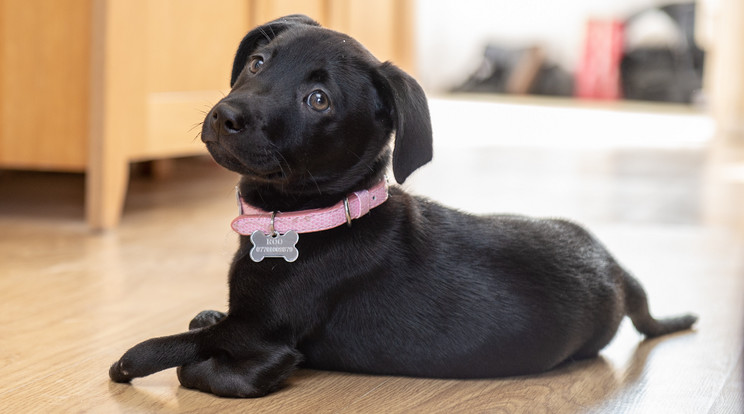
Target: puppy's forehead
{"x":320,"y":49}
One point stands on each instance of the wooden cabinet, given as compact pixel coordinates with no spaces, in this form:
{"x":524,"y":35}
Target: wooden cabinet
{"x":92,"y":85}
{"x":720,"y":30}
{"x":44,"y":77}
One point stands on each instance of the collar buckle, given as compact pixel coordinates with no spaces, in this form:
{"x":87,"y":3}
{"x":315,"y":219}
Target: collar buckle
{"x":347,"y":211}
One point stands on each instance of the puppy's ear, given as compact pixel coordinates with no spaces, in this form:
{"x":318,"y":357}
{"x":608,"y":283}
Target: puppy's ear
{"x":262,"y":35}
{"x":410,"y":113}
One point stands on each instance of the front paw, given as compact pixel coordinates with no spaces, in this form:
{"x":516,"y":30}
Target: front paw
{"x":119,"y":373}
{"x":220,"y":379}
{"x":206,"y":318}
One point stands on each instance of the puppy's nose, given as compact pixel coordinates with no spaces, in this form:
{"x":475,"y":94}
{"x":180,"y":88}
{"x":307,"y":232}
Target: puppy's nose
{"x":226,"y":119}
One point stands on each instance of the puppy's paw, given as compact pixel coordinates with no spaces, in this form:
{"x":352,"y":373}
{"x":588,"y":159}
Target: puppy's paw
{"x":119,"y":372}
{"x":215,"y":378}
{"x":206,"y":318}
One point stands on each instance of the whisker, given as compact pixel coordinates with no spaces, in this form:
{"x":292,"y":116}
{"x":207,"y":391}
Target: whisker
{"x":369,"y":167}
{"x":263,"y":32}
{"x":278,"y":161}
{"x":283,"y":158}
{"x":196,"y":125}
{"x":314,"y":181}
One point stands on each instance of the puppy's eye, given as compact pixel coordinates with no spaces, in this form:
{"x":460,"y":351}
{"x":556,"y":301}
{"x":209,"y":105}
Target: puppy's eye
{"x":319,"y":101}
{"x":255,"y":64}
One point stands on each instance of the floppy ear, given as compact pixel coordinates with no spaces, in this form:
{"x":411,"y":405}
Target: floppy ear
{"x":410,"y":113}
{"x":262,"y":35}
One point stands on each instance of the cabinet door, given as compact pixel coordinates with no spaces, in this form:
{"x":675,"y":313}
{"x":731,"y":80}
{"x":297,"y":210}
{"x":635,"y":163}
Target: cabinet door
{"x":44,"y":75}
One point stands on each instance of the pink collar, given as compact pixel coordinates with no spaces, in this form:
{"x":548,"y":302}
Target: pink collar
{"x":352,"y":207}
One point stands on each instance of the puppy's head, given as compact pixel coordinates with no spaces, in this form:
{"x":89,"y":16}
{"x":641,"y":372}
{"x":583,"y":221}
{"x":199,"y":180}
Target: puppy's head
{"x":312,"y":110}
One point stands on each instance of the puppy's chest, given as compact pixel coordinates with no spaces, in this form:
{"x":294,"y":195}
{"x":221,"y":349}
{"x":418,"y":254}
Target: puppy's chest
{"x":326,"y":264}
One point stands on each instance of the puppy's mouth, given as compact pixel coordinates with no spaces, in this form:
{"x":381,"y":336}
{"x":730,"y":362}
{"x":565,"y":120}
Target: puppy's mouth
{"x":277,"y":177}
{"x":260,"y":167}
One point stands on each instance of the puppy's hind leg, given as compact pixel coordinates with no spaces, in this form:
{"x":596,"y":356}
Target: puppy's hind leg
{"x":636,"y":305}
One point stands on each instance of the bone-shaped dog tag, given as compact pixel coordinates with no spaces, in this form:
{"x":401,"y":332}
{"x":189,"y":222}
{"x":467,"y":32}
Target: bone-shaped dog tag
{"x":276,"y":245}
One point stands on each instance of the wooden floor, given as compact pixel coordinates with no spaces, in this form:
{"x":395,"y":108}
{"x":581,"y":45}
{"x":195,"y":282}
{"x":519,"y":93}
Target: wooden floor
{"x":71,"y":302}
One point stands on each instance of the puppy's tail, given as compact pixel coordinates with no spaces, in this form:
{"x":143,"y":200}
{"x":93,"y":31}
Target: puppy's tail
{"x":636,"y":305}
{"x":155,"y":355}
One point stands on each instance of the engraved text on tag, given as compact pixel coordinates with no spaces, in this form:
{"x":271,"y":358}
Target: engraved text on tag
{"x":276,"y":245}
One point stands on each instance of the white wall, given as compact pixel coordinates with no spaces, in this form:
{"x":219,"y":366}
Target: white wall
{"x":451,"y":35}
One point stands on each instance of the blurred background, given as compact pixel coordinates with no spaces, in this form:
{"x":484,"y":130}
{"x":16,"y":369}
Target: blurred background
{"x":112,"y":88}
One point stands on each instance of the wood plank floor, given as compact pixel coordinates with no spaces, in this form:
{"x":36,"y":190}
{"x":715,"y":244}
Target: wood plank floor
{"x":71,"y":302}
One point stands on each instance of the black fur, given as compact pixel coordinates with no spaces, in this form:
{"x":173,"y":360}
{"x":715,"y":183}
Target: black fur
{"x":412,"y":288}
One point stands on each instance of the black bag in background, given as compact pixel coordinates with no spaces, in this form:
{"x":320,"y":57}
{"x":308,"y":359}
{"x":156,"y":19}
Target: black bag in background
{"x":665,"y":74}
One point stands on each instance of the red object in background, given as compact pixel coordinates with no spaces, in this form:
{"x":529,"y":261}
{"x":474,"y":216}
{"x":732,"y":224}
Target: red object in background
{"x":598,"y":76}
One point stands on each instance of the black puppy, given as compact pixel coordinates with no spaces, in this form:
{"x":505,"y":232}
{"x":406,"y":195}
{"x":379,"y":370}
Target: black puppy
{"x":398,"y":285}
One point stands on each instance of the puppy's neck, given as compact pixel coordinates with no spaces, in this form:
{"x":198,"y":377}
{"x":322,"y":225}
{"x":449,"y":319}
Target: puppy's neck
{"x":271,"y":197}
